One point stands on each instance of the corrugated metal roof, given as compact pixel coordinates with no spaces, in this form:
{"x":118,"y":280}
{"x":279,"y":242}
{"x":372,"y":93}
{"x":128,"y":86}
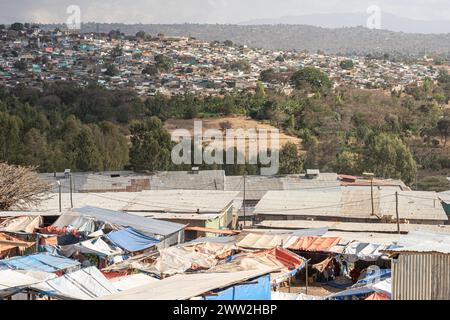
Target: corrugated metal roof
{"x":422,"y":242}
{"x":201,"y":180}
{"x":181,"y":201}
{"x":351,"y":226}
{"x":342,"y":203}
{"x":145,"y":225}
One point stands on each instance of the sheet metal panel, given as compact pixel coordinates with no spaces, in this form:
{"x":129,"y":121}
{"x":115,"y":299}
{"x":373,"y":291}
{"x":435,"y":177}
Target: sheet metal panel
{"x":421,"y":277}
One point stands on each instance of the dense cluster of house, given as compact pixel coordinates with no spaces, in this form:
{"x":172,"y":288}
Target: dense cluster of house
{"x":33,"y":56}
{"x":204,"y":235}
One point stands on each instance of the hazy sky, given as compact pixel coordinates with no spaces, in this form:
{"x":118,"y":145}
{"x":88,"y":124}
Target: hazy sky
{"x":207,"y":11}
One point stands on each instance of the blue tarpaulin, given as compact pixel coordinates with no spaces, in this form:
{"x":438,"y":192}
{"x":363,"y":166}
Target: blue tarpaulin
{"x":40,"y":262}
{"x":375,"y":275}
{"x":131,"y":240}
{"x":349,"y":294}
{"x":256,"y":289}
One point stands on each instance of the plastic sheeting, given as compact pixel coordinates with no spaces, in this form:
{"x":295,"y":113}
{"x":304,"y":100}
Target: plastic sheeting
{"x":363,"y":251}
{"x":148,"y":226}
{"x":259,"y":289}
{"x":132,"y":281}
{"x":180,"y":259}
{"x":314,"y":244}
{"x":131,"y":240}
{"x":93,"y":246}
{"x":40,"y":262}
{"x":83,"y":284}
{"x":9,"y":243}
{"x":373,"y":276}
{"x":25,"y":224}
{"x":12,"y":281}
{"x":263,"y":240}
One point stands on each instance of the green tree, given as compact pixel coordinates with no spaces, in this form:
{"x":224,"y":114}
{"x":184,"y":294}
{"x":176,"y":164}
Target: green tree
{"x":348,"y":162}
{"x":388,"y":157}
{"x":290,"y":160}
{"x":316,"y":79}
{"x":151,"y":145}
{"x":346,"y":64}
{"x":86,"y":155}
{"x":443,"y":127}
{"x":163,"y":63}
{"x":434,"y":183}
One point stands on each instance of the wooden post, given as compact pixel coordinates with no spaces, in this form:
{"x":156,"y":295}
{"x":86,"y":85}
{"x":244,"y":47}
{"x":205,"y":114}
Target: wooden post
{"x":371,"y":195}
{"x":307,"y":279}
{"x":70,"y":181}
{"x":243,"y":201}
{"x":59,"y":189}
{"x":396,"y":212}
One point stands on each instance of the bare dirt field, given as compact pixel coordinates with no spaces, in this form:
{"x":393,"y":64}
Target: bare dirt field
{"x":234,"y":123}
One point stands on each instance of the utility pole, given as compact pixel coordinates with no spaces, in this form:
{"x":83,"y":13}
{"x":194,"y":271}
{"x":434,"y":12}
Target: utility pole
{"x":371,"y":195}
{"x":243,"y":201}
{"x":396,"y":211}
{"x":370,"y":176}
{"x":59,"y":187}
{"x":70,"y":182}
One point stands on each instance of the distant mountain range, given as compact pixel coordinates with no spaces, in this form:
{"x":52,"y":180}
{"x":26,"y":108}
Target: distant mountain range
{"x":347,"y":40}
{"x":389,"y":22}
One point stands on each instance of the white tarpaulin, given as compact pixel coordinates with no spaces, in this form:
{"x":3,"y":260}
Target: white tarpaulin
{"x":132,"y":281}
{"x":83,"y":284}
{"x":384,"y":286}
{"x":265,"y":241}
{"x":97,"y":247}
{"x":363,"y":251}
{"x":12,"y":281}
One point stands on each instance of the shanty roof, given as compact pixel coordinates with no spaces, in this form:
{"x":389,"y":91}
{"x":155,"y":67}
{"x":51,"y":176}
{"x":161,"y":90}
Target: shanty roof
{"x":132,"y":281}
{"x":422,"y":242}
{"x":146,"y":225}
{"x":314,"y":244}
{"x":413,"y":205}
{"x":263,"y":240}
{"x":83,"y":284}
{"x":445,"y":196}
{"x":12,"y":281}
{"x":255,"y":186}
{"x":131,"y":240}
{"x":188,"y":180}
{"x":186,"y":286}
{"x":182,"y":201}
{"x":40,"y":262}
{"x":351,"y":226}
{"x":101,"y":181}
{"x":21,"y":224}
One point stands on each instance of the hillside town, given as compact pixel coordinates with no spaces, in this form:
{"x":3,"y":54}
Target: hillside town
{"x":202,"y":235}
{"x":152,"y":64}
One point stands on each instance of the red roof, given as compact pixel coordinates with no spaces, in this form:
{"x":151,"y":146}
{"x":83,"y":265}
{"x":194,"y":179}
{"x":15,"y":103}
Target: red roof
{"x":313,"y":243}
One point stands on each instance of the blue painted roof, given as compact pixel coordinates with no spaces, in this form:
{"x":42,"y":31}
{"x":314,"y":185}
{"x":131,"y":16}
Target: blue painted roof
{"x":131,"y":240}
{"x":40,"y":262}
